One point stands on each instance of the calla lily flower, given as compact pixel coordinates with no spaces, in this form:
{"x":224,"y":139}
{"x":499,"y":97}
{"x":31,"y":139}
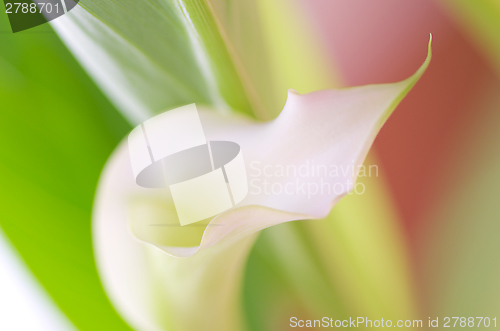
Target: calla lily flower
{"x":195,"y":271}
{"x":162,"y":277}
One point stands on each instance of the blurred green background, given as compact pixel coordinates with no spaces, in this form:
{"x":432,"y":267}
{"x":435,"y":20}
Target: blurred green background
{"x":58,"y":130}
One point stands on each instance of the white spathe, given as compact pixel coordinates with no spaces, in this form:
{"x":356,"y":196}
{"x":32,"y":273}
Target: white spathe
{"x":329,"y":127}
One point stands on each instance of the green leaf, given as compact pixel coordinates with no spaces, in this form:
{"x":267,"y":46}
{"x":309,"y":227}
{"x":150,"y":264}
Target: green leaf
{"x":277,"y":47}
{"x":172,"y":54}
{"x":57,"y":131}
{"x":225,"y":54}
